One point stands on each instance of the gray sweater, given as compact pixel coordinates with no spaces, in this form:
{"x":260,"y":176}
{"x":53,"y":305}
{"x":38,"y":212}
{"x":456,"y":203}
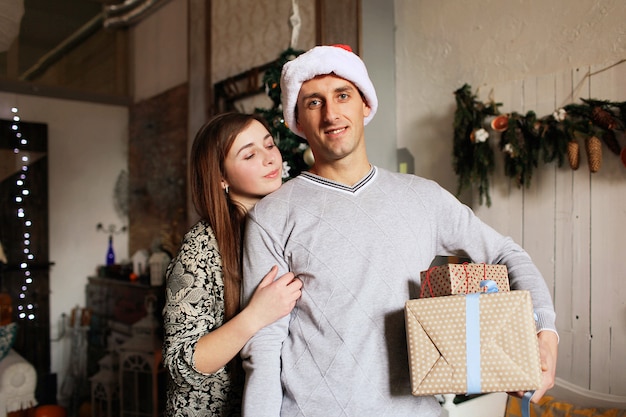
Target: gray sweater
{"x":359,"y":251}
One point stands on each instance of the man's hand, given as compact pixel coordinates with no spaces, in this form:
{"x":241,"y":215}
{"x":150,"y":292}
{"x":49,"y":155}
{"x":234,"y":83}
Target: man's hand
{"x":548,"y":351}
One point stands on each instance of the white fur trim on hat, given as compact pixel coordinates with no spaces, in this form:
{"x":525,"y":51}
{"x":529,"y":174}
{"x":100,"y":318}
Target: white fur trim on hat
{"x":322,"y":60}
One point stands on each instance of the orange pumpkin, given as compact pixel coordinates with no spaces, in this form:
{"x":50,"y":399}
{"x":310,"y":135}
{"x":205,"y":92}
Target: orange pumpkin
{"x":50,"y":411}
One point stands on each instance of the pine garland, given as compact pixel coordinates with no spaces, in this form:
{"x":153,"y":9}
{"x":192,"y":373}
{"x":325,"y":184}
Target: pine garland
{"x":527,"y":140}
{"x":473,"y":159}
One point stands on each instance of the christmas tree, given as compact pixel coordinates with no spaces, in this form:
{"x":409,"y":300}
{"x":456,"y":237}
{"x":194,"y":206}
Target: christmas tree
{"x":292,"y":147}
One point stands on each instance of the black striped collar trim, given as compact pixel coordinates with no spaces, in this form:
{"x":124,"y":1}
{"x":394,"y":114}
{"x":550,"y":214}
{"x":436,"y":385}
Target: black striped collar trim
{"x":338,"y":186}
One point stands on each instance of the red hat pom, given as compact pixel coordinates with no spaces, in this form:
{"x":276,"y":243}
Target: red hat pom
{"x":342,"y":46}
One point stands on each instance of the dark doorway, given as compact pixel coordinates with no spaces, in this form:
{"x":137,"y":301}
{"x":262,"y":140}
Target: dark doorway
{"x":24,"y":238}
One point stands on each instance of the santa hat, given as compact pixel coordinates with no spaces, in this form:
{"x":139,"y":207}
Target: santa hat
{"x":321,"y":60}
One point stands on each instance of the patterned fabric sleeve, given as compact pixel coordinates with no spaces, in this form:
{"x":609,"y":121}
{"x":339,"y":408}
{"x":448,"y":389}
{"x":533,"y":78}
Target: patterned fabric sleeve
{"x":194,"y":306}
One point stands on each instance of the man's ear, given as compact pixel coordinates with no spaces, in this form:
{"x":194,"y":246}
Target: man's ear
{"x":366,"y":109}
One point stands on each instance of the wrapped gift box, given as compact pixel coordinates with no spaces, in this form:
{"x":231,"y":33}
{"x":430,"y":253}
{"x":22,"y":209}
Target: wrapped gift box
{"x":461,"y":279}
{"x":472,"y":344}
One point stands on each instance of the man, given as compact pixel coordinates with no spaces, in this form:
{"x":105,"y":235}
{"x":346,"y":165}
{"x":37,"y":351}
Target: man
{"x":358,"y":237}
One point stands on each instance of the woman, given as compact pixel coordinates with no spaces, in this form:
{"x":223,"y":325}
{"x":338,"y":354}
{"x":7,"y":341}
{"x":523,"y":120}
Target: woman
{"x":234,"y":163}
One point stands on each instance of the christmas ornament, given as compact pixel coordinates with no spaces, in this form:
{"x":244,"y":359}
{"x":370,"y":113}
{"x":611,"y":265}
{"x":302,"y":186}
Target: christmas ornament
{"x":479,"y":135}
{"x":594,"y":153}
{"x":308,"y":157}
{"x":500,"y":123}
{"x":559,"y":115}
{"x":573,"y":154}
{"x":603,"y":118}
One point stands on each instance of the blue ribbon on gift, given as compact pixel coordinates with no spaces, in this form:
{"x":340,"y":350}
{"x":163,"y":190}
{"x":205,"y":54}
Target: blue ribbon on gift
{"x":526,"y":403}
{"x":472,"y":344}
{"x":472,"y":336}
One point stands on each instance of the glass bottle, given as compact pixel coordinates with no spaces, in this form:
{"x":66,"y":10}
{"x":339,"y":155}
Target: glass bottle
{"x":110,"y":253}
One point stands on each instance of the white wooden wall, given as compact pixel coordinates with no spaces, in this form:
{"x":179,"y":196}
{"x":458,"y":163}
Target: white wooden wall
{"x":573,"y":224}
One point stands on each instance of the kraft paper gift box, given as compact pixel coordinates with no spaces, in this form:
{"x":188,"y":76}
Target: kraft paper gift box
{"x":461,"y":279}
{"x":470,"y":344}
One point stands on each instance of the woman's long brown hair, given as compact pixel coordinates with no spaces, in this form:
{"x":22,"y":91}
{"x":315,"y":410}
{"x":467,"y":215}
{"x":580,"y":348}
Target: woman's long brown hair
{"x":227,"y":218}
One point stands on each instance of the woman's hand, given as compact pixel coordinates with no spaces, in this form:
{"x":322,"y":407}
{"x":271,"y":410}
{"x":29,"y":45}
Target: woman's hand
{"x":274,"y":299}
{"x":271,"y":300}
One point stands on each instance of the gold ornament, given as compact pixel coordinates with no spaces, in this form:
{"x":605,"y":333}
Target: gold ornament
{"x":307,"y":156}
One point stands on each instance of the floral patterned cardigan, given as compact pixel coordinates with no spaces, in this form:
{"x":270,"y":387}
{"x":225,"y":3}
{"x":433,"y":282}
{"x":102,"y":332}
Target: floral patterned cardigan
{"x":194,"y":306}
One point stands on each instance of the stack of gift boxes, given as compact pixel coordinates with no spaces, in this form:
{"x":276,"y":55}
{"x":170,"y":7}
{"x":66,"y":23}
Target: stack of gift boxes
{"x":469,"y":334}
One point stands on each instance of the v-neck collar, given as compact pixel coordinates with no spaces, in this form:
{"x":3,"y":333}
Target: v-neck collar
{"x":325,"y":182}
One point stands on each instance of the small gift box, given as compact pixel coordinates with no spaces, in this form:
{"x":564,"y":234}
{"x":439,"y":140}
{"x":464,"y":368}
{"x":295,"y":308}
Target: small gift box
{"x":478,"y":343}
{"x":461,"y":279}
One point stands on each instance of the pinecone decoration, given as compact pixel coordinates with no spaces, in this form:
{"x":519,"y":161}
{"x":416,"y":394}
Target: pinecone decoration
{"x":603,"y":118}
{"x":594,"y":153}
{"x":573,"y":154}
{"x":611,"y":141}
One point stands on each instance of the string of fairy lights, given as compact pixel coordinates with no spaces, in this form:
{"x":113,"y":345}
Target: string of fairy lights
{"x":25,"y":309}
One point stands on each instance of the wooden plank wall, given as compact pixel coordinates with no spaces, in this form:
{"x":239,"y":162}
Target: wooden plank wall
{"x":573,"y":224}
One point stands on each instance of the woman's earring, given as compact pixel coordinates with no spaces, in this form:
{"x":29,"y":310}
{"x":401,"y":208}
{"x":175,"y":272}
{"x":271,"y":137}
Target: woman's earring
{"x":226,"y":190}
